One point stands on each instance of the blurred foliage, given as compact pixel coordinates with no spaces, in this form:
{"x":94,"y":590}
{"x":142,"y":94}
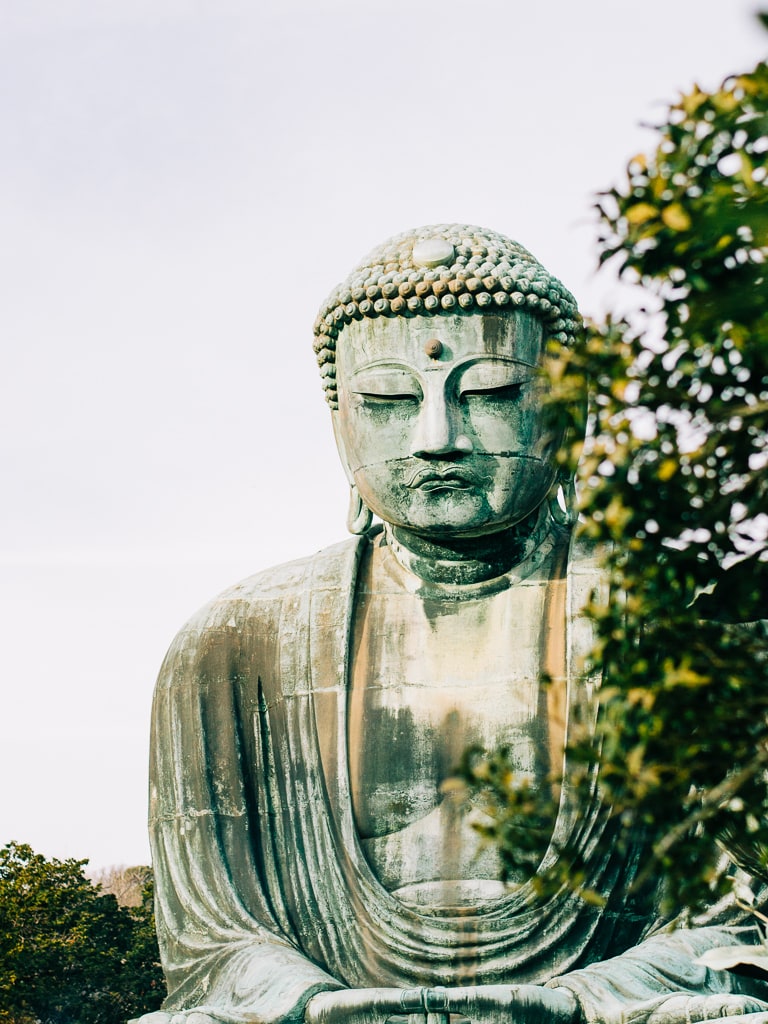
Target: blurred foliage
{"x":673,"y":488}
{"x":70,"y":954}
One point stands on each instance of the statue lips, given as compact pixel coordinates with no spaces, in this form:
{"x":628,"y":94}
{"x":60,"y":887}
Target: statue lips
{"x":452,"y":478}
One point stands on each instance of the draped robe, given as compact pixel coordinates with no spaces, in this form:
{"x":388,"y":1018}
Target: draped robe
{"x":263,"y":895}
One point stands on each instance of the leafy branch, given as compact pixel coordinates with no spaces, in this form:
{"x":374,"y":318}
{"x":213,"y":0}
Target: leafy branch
{"x":674,"y":493}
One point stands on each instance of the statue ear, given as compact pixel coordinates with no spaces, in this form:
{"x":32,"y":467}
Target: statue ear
{"x":359,"y":516}
{"x":562,"y":500}
{"x":562,"y":497}
{"x":341,"y":447}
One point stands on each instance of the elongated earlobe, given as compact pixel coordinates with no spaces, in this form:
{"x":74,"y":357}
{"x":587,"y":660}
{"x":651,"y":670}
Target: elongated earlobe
{"x":562,"y":501}
{"x":359,"y":516}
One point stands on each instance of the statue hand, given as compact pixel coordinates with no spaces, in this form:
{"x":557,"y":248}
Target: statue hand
{"x":514,"y":1004}
{"x":194,"y":1016}
{"x":687,"y":1009}
{"x":355,"y":1006}
{"x":482,"y":1004}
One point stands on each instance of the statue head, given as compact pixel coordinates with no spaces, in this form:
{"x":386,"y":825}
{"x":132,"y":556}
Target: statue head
{"x":429,"y":354}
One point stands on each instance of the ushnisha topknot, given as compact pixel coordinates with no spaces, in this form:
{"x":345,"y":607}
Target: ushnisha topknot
{"x":442,"y":269}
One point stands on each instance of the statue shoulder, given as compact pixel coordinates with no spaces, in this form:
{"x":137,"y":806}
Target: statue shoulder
{"x":326,"y":567}
{"x":257,"y":606}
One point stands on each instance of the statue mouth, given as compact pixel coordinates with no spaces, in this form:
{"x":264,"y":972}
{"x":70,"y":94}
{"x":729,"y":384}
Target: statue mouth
{"x":431,"y":479}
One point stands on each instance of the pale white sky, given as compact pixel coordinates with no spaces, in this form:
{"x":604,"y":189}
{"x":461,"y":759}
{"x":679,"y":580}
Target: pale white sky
{"x":181,"y":184}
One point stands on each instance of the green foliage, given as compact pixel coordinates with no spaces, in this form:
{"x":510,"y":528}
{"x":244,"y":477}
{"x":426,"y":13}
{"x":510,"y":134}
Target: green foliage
{"x":127,"y":884}
{"x":142,"y":972}
{"x":674,"y":489}
{"x":68,"y":953}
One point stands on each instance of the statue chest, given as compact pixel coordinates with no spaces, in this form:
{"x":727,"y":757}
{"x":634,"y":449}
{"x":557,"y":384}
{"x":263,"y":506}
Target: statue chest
{"x":429,"y":678}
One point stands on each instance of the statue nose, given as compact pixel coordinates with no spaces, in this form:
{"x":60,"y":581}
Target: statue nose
{"x":438,"y":430}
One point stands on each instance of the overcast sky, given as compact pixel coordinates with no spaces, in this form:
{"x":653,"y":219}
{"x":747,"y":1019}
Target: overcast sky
{"x":181,"y":184}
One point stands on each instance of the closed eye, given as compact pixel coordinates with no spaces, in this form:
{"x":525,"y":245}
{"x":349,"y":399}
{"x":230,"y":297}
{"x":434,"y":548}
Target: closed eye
{"x":505,"y":392}
{"x":383,"y":384}
{"x":498,"y":379}
{"x":376,"y":397}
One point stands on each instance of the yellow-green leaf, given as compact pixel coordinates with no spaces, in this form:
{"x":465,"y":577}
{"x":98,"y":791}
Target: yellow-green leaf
{"x":640,"y":213}
{"x":676,"y":217}
{"x":747,"y":170}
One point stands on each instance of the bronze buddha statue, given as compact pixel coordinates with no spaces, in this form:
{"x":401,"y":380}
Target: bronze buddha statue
{"x":308,"y":864}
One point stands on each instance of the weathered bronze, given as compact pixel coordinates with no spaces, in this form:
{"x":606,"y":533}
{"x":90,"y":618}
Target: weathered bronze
{"x":308,"y":864}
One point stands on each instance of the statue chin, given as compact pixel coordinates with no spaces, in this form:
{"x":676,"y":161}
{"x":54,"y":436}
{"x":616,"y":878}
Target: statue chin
{"x":308,"y":863}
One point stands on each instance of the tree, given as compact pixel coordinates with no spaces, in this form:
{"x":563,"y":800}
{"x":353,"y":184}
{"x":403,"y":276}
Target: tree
{"x":142,"y":971}
{"x":673,"y":488}
{"x":68,"y":952}
{"x":127,"y":884}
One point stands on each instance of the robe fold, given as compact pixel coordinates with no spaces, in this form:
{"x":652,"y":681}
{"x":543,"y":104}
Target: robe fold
{"x":263,"y":895}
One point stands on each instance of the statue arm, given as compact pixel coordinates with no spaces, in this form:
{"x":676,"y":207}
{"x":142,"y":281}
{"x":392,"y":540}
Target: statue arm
{"x":660,"y":982}
{"x":224,"y":948}
{"x":485,"y":1004}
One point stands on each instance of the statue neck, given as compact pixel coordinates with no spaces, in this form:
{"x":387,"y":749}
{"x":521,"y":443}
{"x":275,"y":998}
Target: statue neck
{"x":468,"y":560}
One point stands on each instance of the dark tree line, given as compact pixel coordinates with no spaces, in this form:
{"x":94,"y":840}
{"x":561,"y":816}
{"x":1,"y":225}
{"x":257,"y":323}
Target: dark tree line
{"x":69,"y":952}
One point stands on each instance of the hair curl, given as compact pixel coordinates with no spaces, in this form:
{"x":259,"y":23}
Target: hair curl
{"x":439,"y":270}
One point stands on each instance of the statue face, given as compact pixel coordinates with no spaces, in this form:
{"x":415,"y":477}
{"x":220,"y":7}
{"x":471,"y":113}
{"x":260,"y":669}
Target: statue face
{"x":440,"y":422}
